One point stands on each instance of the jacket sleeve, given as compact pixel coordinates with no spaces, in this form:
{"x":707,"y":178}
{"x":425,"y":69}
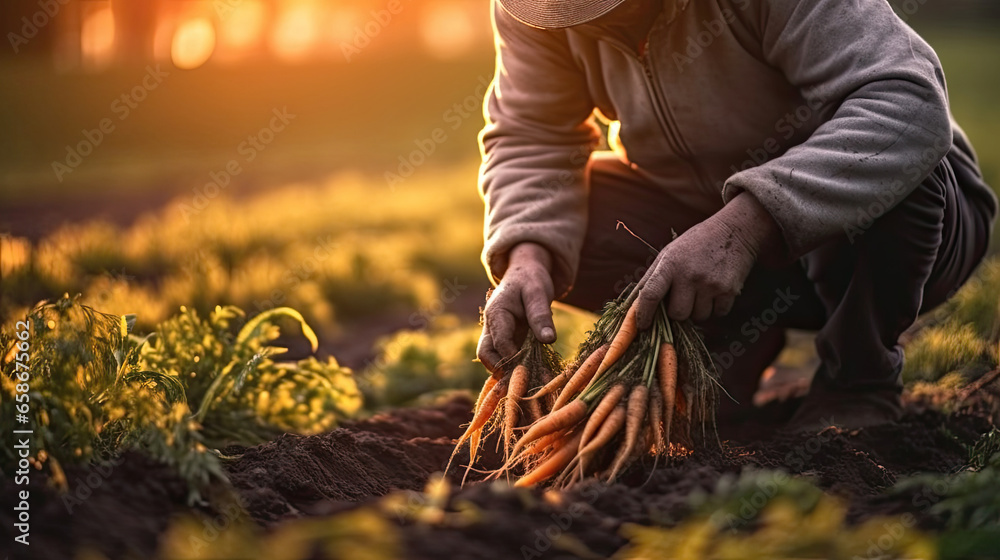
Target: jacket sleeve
{"x":888,"y":126}
{"x":538,"y":137}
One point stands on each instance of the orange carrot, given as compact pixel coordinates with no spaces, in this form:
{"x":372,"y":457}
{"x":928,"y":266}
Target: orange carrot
{"x":608,"y":430}
{"x":475,"y":436}
{"x":637,"y":401}
{"x":581,"y":377}
{"x":656,"y":419}
{"x":608,"y":403}
{"x":556,"y":420}
{"x":490,"y":382}
{"x":538,"y":446}
{"x":623,"y":338}
{"x":667,"y":371}
{"x":542,"y":443}
{"x":552,"y":464}
{"x":550,"y":383}
{"x":512,"y":410}
{"x":486,"y":409}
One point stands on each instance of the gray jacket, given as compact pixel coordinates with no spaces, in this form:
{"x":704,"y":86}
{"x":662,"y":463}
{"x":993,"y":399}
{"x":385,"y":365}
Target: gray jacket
{"x":828,"y":111}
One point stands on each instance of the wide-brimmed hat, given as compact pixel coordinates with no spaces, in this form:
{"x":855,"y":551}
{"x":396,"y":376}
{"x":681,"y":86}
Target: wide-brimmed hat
{"x":555,"y":14}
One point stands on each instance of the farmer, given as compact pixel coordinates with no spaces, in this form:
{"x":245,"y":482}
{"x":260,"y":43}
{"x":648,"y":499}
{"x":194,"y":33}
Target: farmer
{"x":802,"y":150}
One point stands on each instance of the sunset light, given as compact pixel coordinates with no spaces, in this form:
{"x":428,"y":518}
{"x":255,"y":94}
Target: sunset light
{"x":97,"y":37}
{"x":193,"y":44}
{"x":296,"y":31}
{"x":242,"y":27}
{"x":447,"y":28}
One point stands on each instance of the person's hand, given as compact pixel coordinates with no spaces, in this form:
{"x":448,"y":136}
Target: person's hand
{"x":522,"y":299}
{"x":703,"y":270}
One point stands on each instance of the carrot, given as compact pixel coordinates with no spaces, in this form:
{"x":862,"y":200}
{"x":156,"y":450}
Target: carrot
{"x":474,"y":437}
{"x":623,"y":338}
{"x":486,"y":408}
{"x":552,"y":464}
{"x":535,"y":447}
{"x":556,"y":420}
{"x":637,"y":401}
{"x":551,"y":383}
{"x":608,"y":430}
{"x":656,"y":419}
{"x":667,"y":371}
{"x":608,"y":403}
{"x":512,"y":410}
{"x":581,"y":377}
{"x":490,"y":382}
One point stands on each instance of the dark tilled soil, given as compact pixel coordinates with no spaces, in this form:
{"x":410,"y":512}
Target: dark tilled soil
{"x":296,"y":476}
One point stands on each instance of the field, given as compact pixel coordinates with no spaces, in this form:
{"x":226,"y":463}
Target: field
{"x":208,"y":441}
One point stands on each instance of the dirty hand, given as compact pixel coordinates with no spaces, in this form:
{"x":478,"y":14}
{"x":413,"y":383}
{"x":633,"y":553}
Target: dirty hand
{"x":522,"y":299}
{"x":703,"y":270}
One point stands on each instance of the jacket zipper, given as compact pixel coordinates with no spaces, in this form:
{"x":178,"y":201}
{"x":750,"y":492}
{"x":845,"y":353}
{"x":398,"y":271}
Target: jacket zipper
{"x":661,"y":109}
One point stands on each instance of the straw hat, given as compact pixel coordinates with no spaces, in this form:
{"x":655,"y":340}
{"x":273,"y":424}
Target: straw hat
{"x":555,"y":14}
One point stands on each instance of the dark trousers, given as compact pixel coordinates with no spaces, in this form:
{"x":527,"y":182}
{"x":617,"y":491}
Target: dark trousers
{"x":860,"y":294}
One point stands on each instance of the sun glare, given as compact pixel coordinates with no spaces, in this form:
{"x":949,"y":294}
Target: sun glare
{"x":242,"y":28}
{"x":447,"y":29}
{"x":97,"y":37}
{"x":193,"y":43}
{"x":296,"y":31}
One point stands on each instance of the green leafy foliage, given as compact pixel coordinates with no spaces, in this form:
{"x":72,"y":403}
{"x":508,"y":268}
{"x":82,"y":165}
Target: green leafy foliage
{"x":966,"y":503}
{"x":90,"y":399}
{"x":780,"y":517}
{"x":416,"y":363}
{"x":96,"y":390}
{"x":236,"y":390}
{"x":986,"y":451}
{"x":362,"y":533}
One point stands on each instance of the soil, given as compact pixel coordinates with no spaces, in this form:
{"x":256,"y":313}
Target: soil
{"x":299,"y":476}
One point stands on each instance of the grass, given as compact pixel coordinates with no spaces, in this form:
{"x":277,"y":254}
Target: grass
{"x":325,"y":250}
{"x":92,"y":390}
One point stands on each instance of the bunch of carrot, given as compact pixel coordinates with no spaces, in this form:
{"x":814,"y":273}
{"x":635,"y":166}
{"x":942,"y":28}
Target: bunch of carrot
{"x":628,"y":394}
{"x":502,"y":404}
